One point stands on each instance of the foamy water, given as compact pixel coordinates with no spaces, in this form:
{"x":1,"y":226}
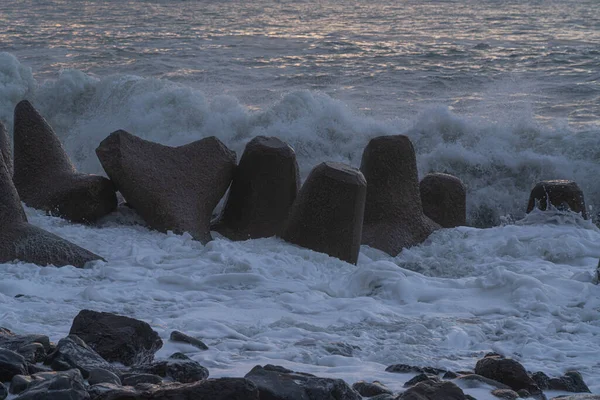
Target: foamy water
{"x":500,"y":94}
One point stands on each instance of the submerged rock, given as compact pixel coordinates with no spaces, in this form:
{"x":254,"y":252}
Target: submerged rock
{"x":177,"y":336}
{"x":444,"y":199}
{"x":45,"y":177}
{"x":264,"y":187}
{"x":172,"y":188}
{"x":116,"y":337}
{"x":562,"y":194}
{"x":327,"y":215}
{"x":394,"y":217}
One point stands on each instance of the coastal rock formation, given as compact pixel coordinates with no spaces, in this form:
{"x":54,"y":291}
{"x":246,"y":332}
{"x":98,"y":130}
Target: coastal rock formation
{"x":53,"y":385}
{"x":24,"y":242}
{"x":562,"y":194}
{"x":73,"y":353}
{"x":32,"y":347}
{"x":172,"y":188}
{"x":394,"y":217}
{"x":327,"y":215}
{"x":6,"y":149}
{"x":45,"y":177}
{"x":506,"y":371}
{"x":179,"y":370}
{"x":444,"y":199}
{"x":265,"y":184}
{"x":11,"y":364}
{"x":117,"y":338}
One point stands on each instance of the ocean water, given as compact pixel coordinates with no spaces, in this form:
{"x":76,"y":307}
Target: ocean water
{"x":499,"y":93}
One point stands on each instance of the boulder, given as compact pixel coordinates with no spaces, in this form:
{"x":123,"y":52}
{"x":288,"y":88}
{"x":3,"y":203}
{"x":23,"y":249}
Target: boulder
{"x":117,"y":338}
{"x":433,"y":390}
{"x":264,"y":186}
{"x":505,"y":394}
{"x":561,"y":194}
{"x":6,"y":149}
{"x":67,"y":385}
{"x":172,"y":188}
{"x":278,"y":383}
{"x":572,"y":381}
{"x":394,"y":217}
{"x":135,"y":379}
{"x":176,"y":369}
{"x":24,"y":242}
{"x":367,"y":389}
{"x":33,"y":347}
{"x":177,"y":336}
{"x":210,"y":389}
{"x":3,"y":391}
{"x":73,"y":353}
{"x":444,"y":199}
{"x":420,"y":378}
{"x":45,"y":177}
{"x":99,"y":375}
{"x":327,"y":215}
{"x":11,"y":364}
{"x":507,"y":371}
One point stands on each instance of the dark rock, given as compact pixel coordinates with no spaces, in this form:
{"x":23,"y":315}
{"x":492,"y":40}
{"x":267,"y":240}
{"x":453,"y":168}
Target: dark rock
{"x":383,"y":397}
{"x":273,"y":384}
{"x":541,"y":380}
{"x":45,"y":177}
{"x":20,"y":383}
{"x":6,"y":150}
{"x":507,"y":371}
{"x":572,"y":381}
{"x":524,"y":393}
{"x":433,"y":390}
{"x":177,"y":336}
{"x":475,"y":381}
{"x":33,"y":347}
{"x":406,"y":369}
{"x":3,"y":390}
{"x":265,"y":184}
{"x":72,"y":352}
{"x":183,"y":371}
{"x":36,"y":368}
{"x":505,"y":394}
{"x":420,"y":378}
{"x":450,"y":375}
{"x":134,"y":379}
{"x":394,"y":217}
{"x":444,"y":199}
{"x":99,"y":375}
{"x":24,"y":242}
{"x":327,"y":215}
{"x":179,"y":356}
{"x":117,"y":338}
{"x":210,"y":389}
{"x":67,"y":385}
{"x":578,"y":397}
{"x":340,"y":349}
{"x":367,"y":389}
{"x":11,"y":364}
{"x":172,"y":188}
{"x":563,"y":195}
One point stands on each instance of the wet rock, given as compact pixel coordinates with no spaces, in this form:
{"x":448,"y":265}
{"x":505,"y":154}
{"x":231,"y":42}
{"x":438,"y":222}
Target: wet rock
{"x":265,"y":184}
{"x":11,"y":364}
{"x":99,"y":375}
{"x":117,"y":338}
{"x":24,"y":242}
{"x":505,"y":394}
{"x":394,"y":217}
{"x":172,"y":188}
{"x":433,"y":390}
{"x":475,"y":381}
{"x":524,"y":393}
{"x":135,"y":379}
{"x":450,"y":375}
{"x":67,"y":385}
{"x":420,"y":378}
{"x":177,"y":336}
{"x":72,"y":352}
{"x":572,"y":381}
{"x":45,"y":177}
{"x":327,"y":215}
{"x":183,"y":371}
{"x":562,"y":194}
{"x":506,"y":371}
{"x":406,"y":369}
{"x":277,"y":383}
{"x":33,"y":347}
{"x":210,"y":389}
{"x":383,"y":397}
{"x":367,"y":389}
{"x":3,"y":389}
{"x":578,"y":397}
{"x":541,"y":380}
{"x":6,"y":149}
{"x":444,"y":199}
{"x":340,"y":349}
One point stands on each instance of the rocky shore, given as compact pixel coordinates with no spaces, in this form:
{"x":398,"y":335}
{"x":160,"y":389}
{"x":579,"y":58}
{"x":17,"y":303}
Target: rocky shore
{"x":111,"y":357}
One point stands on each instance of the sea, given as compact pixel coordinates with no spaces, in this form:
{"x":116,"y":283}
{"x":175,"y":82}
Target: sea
{"x":500,"y":93}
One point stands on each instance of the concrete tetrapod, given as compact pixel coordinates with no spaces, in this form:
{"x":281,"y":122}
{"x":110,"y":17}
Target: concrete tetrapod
{"x":561,"y":194}
{"x":394,"y":217}
{"x":172,"y":188}
{"x":327,"y":215}
{"x":24,"y":242}
{"x":45,"y":177}
{"x":265,"y":184}
{"x":444,"y":199}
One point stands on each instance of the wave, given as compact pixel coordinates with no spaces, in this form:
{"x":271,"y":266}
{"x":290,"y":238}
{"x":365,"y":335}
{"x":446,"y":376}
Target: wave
{"x":499,"y":160}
